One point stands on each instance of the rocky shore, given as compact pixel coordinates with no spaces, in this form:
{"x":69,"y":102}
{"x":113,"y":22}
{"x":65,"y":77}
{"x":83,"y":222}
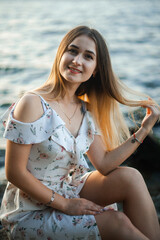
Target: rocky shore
{"x":146,"y":159}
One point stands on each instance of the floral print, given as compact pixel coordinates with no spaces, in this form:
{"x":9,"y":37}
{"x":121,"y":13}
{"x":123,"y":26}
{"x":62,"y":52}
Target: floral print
{"x":22,"y":232}
{"x":57,"y":160}
{"x":90,"y":223}
{"x":20,"y":140}
{"x":76,"y":220}
{"x":43,"y":155}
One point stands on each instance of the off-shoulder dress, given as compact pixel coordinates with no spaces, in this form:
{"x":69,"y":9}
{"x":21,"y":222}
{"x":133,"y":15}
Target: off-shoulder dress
{"x":57,"y":160}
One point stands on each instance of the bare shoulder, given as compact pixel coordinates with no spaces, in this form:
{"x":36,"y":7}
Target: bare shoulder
{"x":29,"y":108}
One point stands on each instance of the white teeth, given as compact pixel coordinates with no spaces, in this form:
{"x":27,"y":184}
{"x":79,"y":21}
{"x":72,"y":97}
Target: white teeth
{"x":75,"y":70}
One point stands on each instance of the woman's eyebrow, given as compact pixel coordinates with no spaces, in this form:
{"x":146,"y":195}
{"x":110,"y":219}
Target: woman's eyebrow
{"x":89,"y":51}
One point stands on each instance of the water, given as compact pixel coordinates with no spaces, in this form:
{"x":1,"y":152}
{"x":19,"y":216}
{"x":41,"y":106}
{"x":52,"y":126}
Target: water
{"x":30,"y":32}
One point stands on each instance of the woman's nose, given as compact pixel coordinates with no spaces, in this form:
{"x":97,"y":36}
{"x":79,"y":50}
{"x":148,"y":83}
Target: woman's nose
{"x":77,"y":60}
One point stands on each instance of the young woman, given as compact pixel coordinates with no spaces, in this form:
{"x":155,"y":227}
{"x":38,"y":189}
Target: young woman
{"x":50,"y":193}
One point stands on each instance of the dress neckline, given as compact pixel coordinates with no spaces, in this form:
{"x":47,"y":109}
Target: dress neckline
{"x":78,"y":132}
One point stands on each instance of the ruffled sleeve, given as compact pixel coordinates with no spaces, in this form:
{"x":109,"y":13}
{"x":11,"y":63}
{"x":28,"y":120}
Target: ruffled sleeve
{"x":34,"y":132}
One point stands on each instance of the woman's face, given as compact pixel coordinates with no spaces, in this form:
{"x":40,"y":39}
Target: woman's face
{"x":79,"y":60}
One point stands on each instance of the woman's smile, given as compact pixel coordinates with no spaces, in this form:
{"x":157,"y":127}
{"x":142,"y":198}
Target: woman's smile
{"x":78,"y":62}
{"x":74,"y":70}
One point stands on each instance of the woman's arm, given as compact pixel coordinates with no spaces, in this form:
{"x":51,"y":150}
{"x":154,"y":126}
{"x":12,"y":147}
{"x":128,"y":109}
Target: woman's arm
{"x":17,"y":173}
{"x":28,"y":110}
{"x":105,"y":161}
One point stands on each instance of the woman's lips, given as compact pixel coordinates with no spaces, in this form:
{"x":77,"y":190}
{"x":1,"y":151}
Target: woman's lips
{"x":74,"y":70}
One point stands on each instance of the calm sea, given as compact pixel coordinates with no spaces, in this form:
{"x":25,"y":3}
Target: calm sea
{"x":30,"y":32}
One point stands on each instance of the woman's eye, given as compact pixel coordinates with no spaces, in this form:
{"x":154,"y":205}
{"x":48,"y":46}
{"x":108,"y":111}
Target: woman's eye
{"x":88,"y":56}
{"x":73,"y":51}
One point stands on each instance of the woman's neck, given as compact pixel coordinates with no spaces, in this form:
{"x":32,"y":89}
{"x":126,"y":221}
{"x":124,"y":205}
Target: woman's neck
{"x":69,"y":99}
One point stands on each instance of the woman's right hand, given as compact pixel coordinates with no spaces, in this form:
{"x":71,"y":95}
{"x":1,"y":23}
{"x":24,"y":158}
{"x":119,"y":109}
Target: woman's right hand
{"x":151,"y":117}
{"x":81,"y":206}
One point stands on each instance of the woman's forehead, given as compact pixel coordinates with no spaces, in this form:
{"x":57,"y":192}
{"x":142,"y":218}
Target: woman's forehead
{"x":84,"y":42}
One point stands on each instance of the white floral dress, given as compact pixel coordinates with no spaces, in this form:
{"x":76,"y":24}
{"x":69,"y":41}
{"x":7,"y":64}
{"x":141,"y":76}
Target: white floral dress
{"x":57,"y":160}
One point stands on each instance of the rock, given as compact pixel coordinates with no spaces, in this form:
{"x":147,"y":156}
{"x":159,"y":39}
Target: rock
{"x":147,"y":157}
{"x":147,"y":160}
{"x":3,"y":235}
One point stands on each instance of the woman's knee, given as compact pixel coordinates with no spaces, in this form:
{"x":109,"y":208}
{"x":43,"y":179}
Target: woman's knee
{"x":126,"y":180}
{"x":130,"y":176}
{"x":114,"y":225}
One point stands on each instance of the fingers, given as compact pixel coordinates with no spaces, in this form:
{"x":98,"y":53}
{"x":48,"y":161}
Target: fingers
{"x":89,"y":212}
{"x":93,"y":208}
{"x":152,"y":109}
{"x":101,"y":210}
{"x":89,"y":208}
{"x":152,"y":115}
{"x":151,"y":104}
{"x":148,"y":111}
{"x":81,"y":206}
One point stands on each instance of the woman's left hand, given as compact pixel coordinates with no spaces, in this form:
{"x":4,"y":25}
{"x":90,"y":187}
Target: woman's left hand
{"x":152,"y":115}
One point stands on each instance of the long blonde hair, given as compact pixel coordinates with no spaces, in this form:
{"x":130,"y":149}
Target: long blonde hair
{"x":103,"y":92}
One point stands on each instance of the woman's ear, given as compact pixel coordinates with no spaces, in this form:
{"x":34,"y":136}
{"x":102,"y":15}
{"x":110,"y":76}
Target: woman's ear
{"x":94,"y":73}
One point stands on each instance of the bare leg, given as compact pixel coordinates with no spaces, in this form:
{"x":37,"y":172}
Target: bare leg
{"x":114,"y":225}
{"x":125,"y":185}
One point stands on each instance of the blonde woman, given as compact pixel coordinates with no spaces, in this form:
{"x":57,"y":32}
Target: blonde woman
{"x":51,"y":194}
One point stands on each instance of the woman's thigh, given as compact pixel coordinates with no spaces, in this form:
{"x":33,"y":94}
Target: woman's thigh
{"x":114,"y":187}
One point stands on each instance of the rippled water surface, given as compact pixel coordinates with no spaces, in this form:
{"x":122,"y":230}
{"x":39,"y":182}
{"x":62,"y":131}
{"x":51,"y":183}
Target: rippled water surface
{"x":30,"y":32}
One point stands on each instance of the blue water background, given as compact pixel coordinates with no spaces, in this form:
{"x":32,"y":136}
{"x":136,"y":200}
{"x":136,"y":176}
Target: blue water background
{"x":30,"y":32}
